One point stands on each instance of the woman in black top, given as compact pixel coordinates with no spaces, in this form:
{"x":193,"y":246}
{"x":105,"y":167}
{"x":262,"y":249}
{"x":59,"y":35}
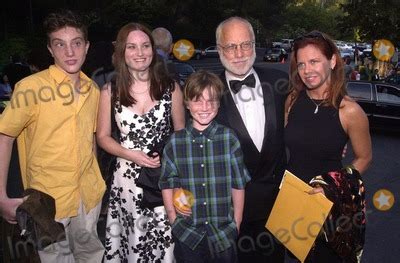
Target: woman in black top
{"x":320,"y":118}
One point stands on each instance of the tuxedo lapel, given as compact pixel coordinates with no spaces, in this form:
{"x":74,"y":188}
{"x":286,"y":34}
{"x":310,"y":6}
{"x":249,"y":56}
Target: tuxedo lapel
{"x":270,"y":111}
{"x":231,"y":112}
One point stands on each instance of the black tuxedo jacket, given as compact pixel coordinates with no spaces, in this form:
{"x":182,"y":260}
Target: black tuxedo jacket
{"x":266,"y":167}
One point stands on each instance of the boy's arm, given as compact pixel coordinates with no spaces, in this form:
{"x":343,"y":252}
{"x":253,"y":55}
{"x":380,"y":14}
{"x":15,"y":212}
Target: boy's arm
{"x":18,"y":115}
{"x":169,"y":181}
{"x":8,"y":206}
{"x":238,"y":204}
{"x":240,"y":176}
{"x":167,"y":195}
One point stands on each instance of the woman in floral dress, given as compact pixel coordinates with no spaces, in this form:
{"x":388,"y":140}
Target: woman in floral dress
{"x":148,"y":104}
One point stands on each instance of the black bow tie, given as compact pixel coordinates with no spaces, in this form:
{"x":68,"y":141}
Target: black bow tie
{"x":236,"y":85}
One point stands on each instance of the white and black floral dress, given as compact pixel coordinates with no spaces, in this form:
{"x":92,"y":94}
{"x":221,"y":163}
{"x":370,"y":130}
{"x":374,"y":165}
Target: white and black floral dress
{"x":133,"y":233}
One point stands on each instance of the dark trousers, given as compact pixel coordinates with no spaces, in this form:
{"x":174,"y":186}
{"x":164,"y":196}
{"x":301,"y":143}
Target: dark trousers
{"x":203,"y":253}
{"x":257,"y":244}
{"x":322,"y":253}
{"x":13,"y":248}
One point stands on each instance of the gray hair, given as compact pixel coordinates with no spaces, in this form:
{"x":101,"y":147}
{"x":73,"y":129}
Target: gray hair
{"x":162,"y":38}
{"x":218,"y":31}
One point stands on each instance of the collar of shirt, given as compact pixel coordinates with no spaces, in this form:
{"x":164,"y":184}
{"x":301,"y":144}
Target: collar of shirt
{"x":60,"y":76}
{"x":209,"y":132}
{"x":250,"y":104}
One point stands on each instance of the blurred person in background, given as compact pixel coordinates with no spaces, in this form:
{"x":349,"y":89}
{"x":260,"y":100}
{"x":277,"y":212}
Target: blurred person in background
{"x":16,"y":70}
{"x":163,"y":43}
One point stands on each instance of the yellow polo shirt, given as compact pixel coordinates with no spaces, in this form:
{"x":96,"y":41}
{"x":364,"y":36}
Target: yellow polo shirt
{"x":55,"y":133}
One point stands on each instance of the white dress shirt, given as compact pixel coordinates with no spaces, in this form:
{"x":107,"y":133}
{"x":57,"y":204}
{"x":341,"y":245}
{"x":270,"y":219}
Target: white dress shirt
{"x":250,"y":104}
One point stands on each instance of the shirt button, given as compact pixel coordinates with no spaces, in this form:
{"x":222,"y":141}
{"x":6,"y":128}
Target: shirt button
{"x":194,"y":141}
{"x":204,"y":184}
{"x":205,"y":203}
{"x":206,"y":222}
{"x":202,"y":165}
{"x":201,"y":145}
{"x":208,"y":140}
{"x":201,"y":133}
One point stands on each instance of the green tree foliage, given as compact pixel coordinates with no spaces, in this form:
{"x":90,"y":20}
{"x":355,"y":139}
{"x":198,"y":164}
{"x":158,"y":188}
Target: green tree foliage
{"x":372,"y":20}
{"x":305,"y":16}
{"x":196,"y":20}
{"x":12,"y":46}
{"x":192,"y":19}
{"x":120,"y":12}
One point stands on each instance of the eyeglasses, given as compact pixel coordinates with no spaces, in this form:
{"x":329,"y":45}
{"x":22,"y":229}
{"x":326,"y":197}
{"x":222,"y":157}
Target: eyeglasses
{"x":245,"y":46}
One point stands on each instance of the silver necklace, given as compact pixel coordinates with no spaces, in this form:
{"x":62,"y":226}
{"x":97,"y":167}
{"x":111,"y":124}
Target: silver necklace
{"x":316,"y":104}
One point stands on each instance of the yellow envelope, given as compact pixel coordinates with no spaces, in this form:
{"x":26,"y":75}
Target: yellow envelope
{"x":297,"y":217}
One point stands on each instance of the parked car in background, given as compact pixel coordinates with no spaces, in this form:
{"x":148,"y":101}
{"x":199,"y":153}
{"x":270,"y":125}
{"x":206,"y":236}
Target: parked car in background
{"x":359,"y":46}
{"x":211,"y":52}
{"x":275,"y":54}
{"x":393,"y":79}
{"x":183,"y":71}
{"x":346,"y":53}
{"x":366,"y":53}
{"x":380,"y":101}
{"x":198,"y":54}
{"x":277,"y":44}
{"x":343,"y":45}
{"x":287,"y":44}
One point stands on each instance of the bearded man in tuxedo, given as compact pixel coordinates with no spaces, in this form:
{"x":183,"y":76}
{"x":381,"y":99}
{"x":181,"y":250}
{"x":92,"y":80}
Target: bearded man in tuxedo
{"x":253,"y":106}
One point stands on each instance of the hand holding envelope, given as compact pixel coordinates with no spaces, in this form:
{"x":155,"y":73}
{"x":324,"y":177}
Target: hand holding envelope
{"x":297,"y":216}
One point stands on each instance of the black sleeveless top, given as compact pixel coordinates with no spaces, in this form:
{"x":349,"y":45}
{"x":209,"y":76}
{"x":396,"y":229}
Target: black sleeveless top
{"x":314,"y":142}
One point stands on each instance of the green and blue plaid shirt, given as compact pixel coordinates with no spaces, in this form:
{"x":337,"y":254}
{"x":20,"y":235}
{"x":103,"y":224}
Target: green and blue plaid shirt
{"x":208,"y":164}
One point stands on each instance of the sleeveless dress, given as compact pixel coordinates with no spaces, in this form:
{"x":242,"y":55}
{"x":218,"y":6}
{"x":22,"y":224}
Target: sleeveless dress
{"x":315,"y":144}
{"x":133,"y":233}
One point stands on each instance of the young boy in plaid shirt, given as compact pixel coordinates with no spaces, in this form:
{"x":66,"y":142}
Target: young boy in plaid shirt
{"x":206,"y":162}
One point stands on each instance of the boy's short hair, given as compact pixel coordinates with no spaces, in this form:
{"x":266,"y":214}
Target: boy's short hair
{"x":199,"y":81}
{"x":63,"y":18}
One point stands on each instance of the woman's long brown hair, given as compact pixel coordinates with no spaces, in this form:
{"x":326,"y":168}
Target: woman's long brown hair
{"x":158,"y":76}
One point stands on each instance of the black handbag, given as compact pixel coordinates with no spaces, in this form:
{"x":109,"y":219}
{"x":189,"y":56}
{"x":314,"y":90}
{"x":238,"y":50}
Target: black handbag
{"x":148,"y":180}
{"x":345,"y":226}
